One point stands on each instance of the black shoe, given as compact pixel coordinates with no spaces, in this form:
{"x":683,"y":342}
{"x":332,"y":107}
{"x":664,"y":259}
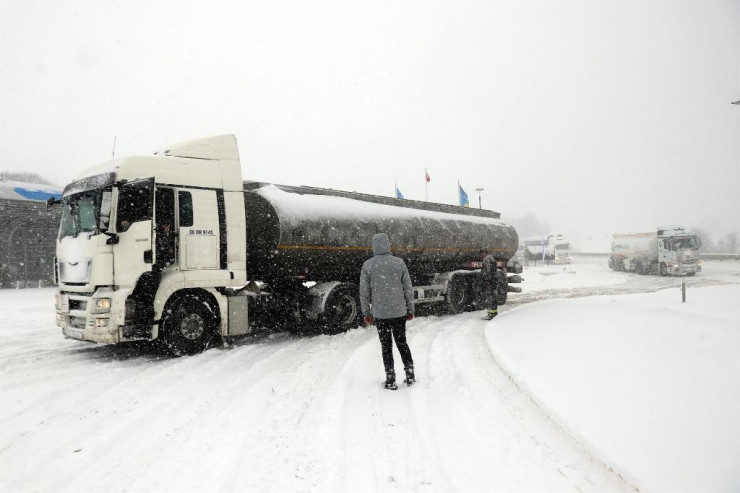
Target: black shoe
{"x":390,"y":381}
{"x":489,"y":316}
{"x":410,"y":378}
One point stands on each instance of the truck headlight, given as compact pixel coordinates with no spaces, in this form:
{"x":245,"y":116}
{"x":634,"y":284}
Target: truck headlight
{"x":101,"y":305}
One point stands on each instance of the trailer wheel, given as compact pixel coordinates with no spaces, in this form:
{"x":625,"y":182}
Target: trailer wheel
{"x":187,"y":326}
{"x":458,"y":294}
{"x":663,"y":269}
{"x":342,"y":311}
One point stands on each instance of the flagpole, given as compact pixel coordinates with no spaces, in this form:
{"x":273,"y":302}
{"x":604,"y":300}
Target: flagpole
{"x":426,"y":186}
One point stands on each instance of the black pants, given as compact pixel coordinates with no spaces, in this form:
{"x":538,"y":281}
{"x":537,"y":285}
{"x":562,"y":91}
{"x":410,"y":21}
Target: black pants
{"x":389,"y":329}
{"x":491,"y":298}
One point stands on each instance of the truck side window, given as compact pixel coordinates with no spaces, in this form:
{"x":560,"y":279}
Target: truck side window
{"x":134,"y":204}
{"x":165,"y":225}
{"x":185,"y":200}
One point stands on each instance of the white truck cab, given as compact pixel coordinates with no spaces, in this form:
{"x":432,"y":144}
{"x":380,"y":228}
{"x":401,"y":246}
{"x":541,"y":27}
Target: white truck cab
{"x":141,"y":225}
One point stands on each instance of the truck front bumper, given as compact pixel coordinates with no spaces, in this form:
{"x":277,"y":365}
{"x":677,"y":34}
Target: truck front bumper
{"x":79,"y":317}
{"x":684,"y":269}
{"x":87,"y":329}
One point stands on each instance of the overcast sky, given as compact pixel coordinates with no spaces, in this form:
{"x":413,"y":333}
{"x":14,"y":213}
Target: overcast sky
{"x":596,"y":116}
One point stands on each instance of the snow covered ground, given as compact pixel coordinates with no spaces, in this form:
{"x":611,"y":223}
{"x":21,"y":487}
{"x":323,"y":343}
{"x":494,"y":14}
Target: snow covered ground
{"x":578,"y":384}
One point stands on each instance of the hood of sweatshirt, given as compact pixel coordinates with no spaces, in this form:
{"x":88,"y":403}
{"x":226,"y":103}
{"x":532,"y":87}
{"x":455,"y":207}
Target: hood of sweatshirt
{"x":381,"y":244}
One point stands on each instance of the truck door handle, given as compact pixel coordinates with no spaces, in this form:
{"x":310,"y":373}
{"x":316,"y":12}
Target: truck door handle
{"x":148,"y":257}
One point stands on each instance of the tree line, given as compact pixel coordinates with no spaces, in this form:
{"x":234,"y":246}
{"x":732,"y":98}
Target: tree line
{"x":725,"y":244}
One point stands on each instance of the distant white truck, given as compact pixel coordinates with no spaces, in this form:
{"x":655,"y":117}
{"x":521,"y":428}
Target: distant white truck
{"x":667,"y":251}
{"x":554,"y":248}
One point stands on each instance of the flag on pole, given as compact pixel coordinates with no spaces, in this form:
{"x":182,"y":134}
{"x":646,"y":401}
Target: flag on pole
{"x":399,"y":195}
{"x":464,"y":202}
{"x":426,"y":176}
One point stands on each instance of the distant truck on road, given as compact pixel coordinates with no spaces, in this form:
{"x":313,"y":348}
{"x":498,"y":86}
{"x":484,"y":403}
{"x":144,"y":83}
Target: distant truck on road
{"x":667,"y":251}
{"x":554,"y":248}
{"x":177,"y":247}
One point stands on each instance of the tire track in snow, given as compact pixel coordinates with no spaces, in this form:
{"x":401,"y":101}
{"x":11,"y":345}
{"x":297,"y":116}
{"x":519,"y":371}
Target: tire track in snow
{"x":131,"y":414}
{"x":386,"y":445}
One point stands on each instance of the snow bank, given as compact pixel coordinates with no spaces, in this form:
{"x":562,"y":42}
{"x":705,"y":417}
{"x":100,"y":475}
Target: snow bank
{"x":649,"y":385}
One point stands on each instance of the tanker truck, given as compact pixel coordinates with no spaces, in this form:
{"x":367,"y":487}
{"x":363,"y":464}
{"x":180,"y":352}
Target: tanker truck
{"x":177,"y":247}
{"x":667,"y":251}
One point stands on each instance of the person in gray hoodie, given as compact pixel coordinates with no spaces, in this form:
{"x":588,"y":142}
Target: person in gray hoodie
{"x":387,"y":299}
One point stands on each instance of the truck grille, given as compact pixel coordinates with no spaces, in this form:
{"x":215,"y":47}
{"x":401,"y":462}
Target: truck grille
{"x":77,"y":305}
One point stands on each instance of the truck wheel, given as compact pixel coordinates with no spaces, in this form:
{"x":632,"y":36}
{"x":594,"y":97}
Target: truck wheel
{"x":342,"y":311}
{"x":458,"y":294}
{"x":663,"y":269}
{"x":188,"y":326}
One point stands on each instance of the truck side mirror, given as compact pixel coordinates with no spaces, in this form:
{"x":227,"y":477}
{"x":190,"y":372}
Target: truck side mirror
{"x":50,"y":202}
{"x":105,"y":209}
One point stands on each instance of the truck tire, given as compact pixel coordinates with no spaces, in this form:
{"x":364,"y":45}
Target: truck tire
{"x":459,"y":296}
{"x":663,"y":269}
{"x":187,"y":326}
{"x":342,"y":311}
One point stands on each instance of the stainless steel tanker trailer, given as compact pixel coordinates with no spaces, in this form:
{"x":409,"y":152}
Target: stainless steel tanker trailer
{"x":177,"y":247}
{"x":298,"y":234}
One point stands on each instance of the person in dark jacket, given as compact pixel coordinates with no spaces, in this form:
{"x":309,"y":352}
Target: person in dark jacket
{"x":489,"y":282}
{"x":387,"y":299}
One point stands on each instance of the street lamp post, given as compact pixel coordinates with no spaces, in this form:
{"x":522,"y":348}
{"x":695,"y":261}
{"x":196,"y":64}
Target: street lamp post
{"x":479,"y":190}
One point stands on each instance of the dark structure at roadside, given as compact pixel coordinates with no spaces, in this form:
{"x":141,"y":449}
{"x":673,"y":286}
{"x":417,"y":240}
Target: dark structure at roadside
{"x":27,"y":234}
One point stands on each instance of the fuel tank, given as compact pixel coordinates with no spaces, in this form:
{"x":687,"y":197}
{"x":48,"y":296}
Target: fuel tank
{"x":322,"y":234}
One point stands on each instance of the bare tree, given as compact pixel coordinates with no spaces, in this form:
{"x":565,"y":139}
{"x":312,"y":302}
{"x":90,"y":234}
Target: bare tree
{"x":529,"y":226}
{"x":731,"y":243}
{"x":707,"y":245}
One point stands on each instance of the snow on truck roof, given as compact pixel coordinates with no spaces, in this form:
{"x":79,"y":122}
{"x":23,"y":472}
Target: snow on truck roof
{"x":18,"y":190}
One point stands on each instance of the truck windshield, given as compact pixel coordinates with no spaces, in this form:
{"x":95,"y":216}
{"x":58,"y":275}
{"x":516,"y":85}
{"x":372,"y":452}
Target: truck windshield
{"x":80,"y":213}
{"x":562,"y":246}
{"x":688,"y":243}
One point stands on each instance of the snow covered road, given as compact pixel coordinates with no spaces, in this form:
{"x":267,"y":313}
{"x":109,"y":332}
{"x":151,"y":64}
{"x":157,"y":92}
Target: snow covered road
{"x":502,"y":406}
